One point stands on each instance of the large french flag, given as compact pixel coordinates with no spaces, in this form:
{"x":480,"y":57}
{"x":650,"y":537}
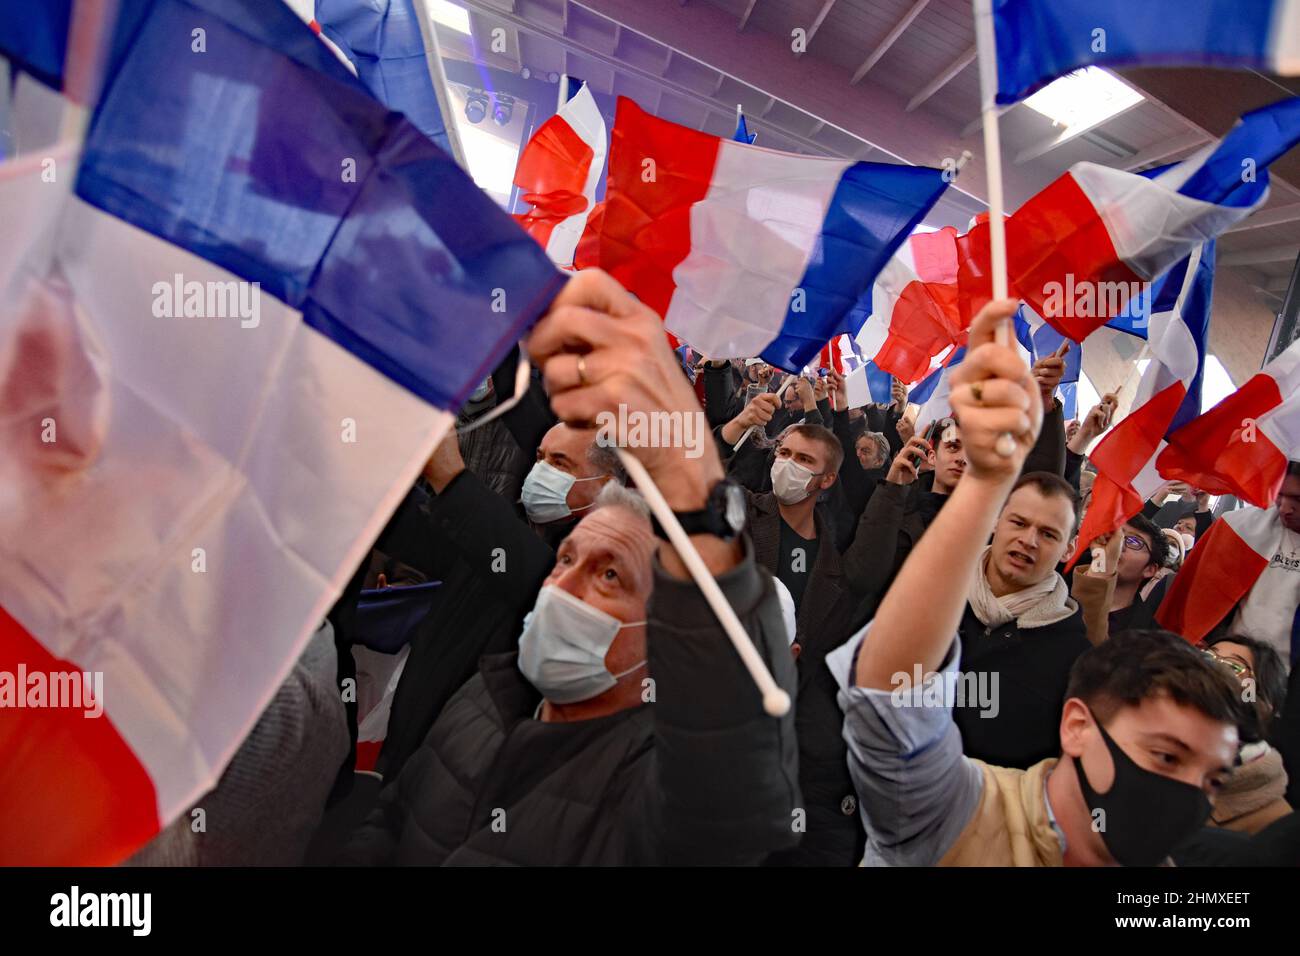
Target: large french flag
{"x":1168,"y":396}
{"x":1241,"y":446}
{"x":222,"y":364}
{"x":558,"y":171}
{"x":1080,"y":252}
{"x":1078,"y":249}
{"x":1220,"y":571}
{"x":1038,"y":41}
{"x":749,"y":251}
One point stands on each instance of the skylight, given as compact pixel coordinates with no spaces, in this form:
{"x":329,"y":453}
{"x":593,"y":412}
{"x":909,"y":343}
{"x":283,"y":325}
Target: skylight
{"x":1080,"y":100}
{"x":450,"y":15}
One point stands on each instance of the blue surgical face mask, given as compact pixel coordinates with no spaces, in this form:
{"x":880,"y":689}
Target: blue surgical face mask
{"x":563,"y":646}
{"x":546,"y":493}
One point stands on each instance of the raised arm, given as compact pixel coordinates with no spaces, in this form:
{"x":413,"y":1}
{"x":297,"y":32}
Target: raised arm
{"x":992,"y":394}
{"x":726,"y":772}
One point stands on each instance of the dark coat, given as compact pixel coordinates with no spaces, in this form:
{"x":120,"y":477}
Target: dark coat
{"x":828,"y":615}
{"x":700,"y":775}
{"x":1033,"y":669}
{"x":454,"y":537}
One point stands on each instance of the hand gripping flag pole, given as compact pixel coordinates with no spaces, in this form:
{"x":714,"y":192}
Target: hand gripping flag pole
{"x":986,"y":47}
{"x":775,"y":700}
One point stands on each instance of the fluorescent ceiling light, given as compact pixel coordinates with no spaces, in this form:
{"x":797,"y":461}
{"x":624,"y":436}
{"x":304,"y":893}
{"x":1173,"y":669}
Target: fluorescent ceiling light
{"x":450,"y":15}
{"x":1080,"y":100}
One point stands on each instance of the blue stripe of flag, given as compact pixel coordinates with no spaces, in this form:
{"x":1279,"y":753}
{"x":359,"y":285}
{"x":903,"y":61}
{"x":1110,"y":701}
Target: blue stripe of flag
{"x":1039,"y":40}
{"x":873,"y":210}
{"x":34,"y":36}
{"x":383,"y":40}
{"x":921,"y":393}
{"x":245,"y":156}
{"x":1257,"y":139}
{"x":1196,"y":316}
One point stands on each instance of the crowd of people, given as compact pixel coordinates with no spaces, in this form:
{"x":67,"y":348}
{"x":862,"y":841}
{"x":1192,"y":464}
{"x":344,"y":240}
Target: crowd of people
{"x":565,"y":694}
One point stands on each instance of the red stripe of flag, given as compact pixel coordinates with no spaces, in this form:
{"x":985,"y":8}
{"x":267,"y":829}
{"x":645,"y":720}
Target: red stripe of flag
{"x":657,"y":171}
{"x":1059,"y":233}
{"x":1120,"y":458}
{"x":1222,"y":451}
{"x":72,"y":792}
{"x":1218,"y":573}
{"x":552,"y":172}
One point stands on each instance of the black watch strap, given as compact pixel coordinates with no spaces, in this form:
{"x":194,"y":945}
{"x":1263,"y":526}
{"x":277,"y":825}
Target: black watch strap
{"x":718,"y":517}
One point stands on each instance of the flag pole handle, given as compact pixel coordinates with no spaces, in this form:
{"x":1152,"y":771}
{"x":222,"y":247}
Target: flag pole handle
{"x":986,"y":46}
{"x":776,"y":701}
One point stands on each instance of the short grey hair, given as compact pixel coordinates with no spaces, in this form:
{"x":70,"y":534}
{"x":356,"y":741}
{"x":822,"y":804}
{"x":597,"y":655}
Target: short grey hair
{"x":880,"y":441}
{"x":619,"y":496}
{"x":604,"y":458}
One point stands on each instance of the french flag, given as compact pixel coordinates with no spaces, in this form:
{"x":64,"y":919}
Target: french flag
{"x":1081,"y":253}
{"x":218,"y":378}
{"x":1038,"y":41}
{"x":1220,"y":571}
{"x":748,"y":251}
{"x":1078,"y":250}
{"x":1168,"y":396}
{"x":915,"y":310}
{"x":558,"y":172}
{"x":1242,"y":445}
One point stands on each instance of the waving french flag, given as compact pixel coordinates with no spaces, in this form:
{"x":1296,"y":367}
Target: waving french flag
{"x":558,"y":172}
{"x":1220,"y":571}
{"x":1241,"y":446}
{"x":219,"y":375}
{"x":1038,"y":41}
{"x":915,"y":312}
{"x":1168,"y":396}
{"x":748,"y":251}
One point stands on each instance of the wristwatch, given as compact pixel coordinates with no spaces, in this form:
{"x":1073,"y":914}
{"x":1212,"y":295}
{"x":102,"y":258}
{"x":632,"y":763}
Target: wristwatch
{"x":723,"y":515}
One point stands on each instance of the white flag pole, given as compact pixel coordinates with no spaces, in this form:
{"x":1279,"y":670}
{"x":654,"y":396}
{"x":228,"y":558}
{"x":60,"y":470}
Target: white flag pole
{"x":986,"y":48}
{"x":438,"y":76}
{"x":775,"y":700}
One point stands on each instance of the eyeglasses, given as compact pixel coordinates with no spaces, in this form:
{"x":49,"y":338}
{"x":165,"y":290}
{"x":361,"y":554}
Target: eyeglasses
{"x":1133,"y":543}
{"x":1237,"y":667}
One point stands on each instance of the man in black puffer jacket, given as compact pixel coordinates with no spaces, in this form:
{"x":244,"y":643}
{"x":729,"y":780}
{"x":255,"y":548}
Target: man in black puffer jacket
{"x":626,"y":729}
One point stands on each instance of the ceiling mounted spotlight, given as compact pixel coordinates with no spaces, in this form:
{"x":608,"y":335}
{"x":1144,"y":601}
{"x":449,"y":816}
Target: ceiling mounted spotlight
{"x":552,"y":77}
{"x":476,"y":106}
{"x":525,"y":73}
{"x":503,"y":108}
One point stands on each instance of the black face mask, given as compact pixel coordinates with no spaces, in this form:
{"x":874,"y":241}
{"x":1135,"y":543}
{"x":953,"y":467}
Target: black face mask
{"x":1143,"y":815}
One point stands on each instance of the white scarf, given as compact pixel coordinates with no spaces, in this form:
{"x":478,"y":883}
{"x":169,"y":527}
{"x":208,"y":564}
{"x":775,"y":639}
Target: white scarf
{"x":1038,"y":605}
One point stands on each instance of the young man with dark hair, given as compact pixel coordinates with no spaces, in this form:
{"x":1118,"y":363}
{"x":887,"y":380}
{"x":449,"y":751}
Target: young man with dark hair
{"x":1147,"y":734}
{"x":1021,"y":631}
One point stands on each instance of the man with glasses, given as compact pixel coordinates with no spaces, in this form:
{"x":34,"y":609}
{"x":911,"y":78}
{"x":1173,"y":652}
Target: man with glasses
{"x":1145,"y":552}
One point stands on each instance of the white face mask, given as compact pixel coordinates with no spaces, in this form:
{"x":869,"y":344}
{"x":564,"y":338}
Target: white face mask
{"x":790,"y":481}
{"x":546,"y":493}
{"x":1188,"y":540}
{"x":562,"y":649}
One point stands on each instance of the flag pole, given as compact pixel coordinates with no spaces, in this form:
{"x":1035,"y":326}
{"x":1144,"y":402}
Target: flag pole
{"x":776,"y":701}
{"x":438,"y":77}
{"x":986,"y":48}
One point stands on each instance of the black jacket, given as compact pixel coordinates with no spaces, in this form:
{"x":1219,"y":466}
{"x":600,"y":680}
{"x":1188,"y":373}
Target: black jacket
{"x":700,"y":775}
{"x":491,"y":564}
{"x":828,"y":615}
{"x":1033,"y":669}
